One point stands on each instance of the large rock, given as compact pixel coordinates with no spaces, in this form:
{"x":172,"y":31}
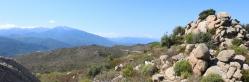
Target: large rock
{"x":237,"y":74}
{"x":192,"y":60}
{"x":201,"y":51}
{"x":230,"y":72}
{"x":170,"y":73}
{"x":245,"y":67}
{"x":235,"y":64}
{"x":223,"y":15}
{"x":225,"y":55}
{"x":11,"y":71}
{"x":163,"y":58}
{"x":211,"y":18}
{"x":200,"y":67}
{"x":189,"y":48}
{"x":202,"y":26}
{"x":178,"y":57}
{"x":157,"y":78}
{"x":239,"y":58}
{"x":214,"y":70}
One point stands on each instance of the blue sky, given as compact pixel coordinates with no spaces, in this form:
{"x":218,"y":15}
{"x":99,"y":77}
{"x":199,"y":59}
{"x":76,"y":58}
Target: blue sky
{"x":114,"y":18}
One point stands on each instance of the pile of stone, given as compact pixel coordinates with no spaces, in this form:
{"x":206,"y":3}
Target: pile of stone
{"x":229,"y":66}
{"x":224,"y":26}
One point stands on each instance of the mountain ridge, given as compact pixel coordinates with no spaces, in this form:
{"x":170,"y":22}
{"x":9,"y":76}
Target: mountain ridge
{"x":58,"y":37}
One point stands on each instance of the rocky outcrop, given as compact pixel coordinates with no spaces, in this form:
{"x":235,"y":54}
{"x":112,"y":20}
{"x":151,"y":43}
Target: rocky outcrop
{"x":204,"y":61}
{"x":11,"y":71}
{"x":225,"y":28}
{"x":229,"y":66}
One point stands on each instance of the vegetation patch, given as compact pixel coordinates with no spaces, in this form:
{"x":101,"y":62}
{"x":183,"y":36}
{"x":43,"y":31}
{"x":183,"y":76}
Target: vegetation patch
{"x":198,"y":38}
{"x":240,"y":50}
{"x":179,"y":30}
{"x":212,"y":78}
{"x":204,"y":14}
{"x":148,"y":70}
{"x":128,"y":71}
{"x":245,"y":76}
{"x":183,"y":67}
{"x":237,"y":42}
{"x":94,"y":70}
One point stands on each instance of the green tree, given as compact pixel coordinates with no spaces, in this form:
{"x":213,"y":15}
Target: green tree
{"x":179,"y":30}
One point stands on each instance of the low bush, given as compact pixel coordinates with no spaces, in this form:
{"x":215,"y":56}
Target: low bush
{"x":185,"y":74}
{"x":212,"y":78}
{"x":182,"y":67}
{"x":128,"y":71}
{"x":166,"y":41}
{"x":148,"y":70}
{"x":204,"y":14}
{"x":85,"y":80}
{"x":211,"y":45}
{"x":179,"y":30}
{"x":240,"y":50}
{"x":94,"y":70}
{"x":154,"y":44}
{"x":245,"y":76}
{"x":177,"y":39}
{"x":198,"y":38}
{"x":237,"y":42}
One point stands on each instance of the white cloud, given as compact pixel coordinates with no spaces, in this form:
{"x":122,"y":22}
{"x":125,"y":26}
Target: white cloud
{"x":51,"y":21}
{"x":108,"y":34}
{"x":9,"y":26}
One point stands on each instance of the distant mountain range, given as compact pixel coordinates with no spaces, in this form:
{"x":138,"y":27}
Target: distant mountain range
{"x":25,"y":40}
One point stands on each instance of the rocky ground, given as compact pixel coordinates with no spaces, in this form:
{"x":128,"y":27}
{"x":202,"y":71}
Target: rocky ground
{"x":225,"y":60}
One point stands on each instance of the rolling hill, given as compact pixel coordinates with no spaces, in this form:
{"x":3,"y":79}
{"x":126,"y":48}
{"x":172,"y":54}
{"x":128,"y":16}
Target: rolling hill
{"x":27,"y":40}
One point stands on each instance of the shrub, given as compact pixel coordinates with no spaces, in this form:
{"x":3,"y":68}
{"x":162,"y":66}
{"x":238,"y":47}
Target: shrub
{"x":177,"y":39}
{"x":245,"y":76}
{"x":128,"y":71}
{"x":239,"y":50}
{"x":237,"y":42}
{"x":94,"y":70}
{"x":204,"y":14}
{"x":246,"y":26}
{"x":185,"y":75}
{"x":154,"y":44}
{"x":198,"y":38}
{"x":85,"y":80}
{"x":211,"y":44}
{"x":148,"y":70}
{"x":179,"y":30}
{"x":182,"y":66}
{"x":166,"y":41}
{"x":211,"y":31}
{"x":212,"y":78}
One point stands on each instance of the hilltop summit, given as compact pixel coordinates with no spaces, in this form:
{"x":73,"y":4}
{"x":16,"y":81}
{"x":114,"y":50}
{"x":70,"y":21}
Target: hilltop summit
{"x":221,"y":25}
{"x":214,"y":48}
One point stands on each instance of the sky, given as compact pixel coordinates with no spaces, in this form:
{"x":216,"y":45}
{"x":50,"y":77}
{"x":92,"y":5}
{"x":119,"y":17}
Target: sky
{"x":114,"y":18}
